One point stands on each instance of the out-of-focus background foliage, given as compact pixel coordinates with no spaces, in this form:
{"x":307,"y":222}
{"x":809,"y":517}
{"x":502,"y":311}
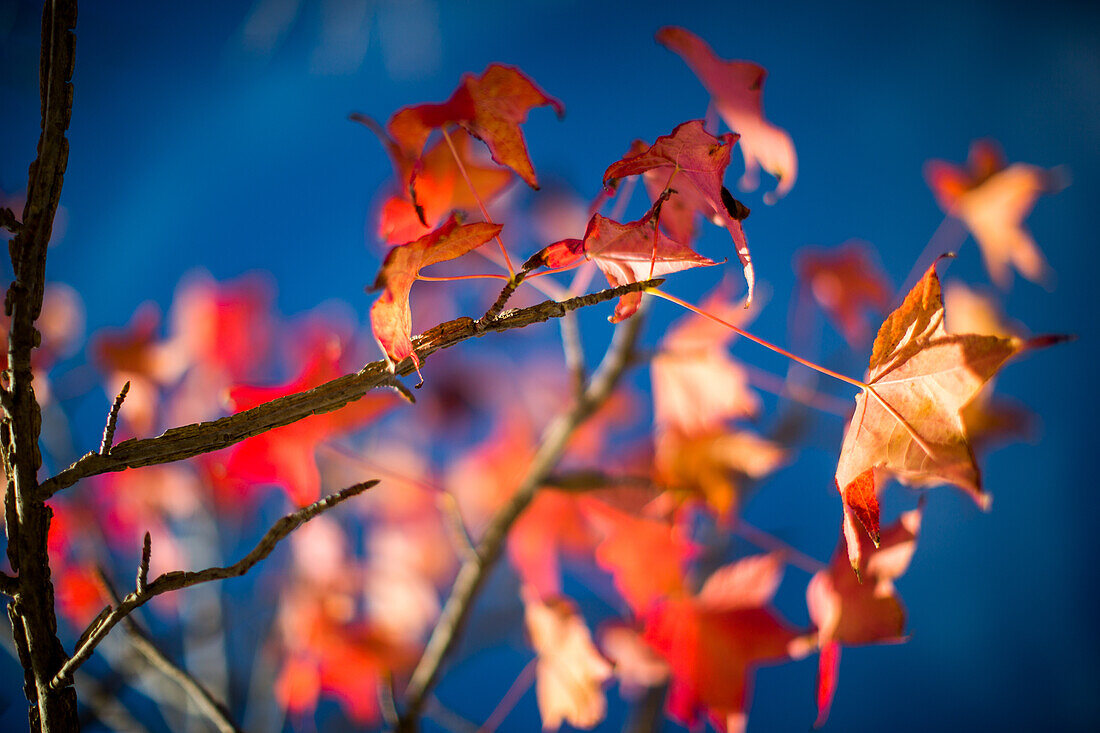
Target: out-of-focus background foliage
{"x":215,"y":135}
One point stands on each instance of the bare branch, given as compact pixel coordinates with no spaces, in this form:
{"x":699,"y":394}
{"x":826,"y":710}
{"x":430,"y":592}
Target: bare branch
{"x":33,"y":620}
{"x":112,"y":421}
{"x":143,"y":568}
{"x":212,"y":709}
{"x":192,"y":440}
{"x":179,"y":579}
{"x":574,"y":352}
{"x":502,"y":299}
{"x":581,"y":481}
{"x":474,"y":570}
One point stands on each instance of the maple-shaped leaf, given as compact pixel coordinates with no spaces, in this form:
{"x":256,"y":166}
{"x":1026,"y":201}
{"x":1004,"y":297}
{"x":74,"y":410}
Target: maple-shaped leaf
{"x":697,"y":387}
{"x":693,"y":163}
{"x":907,"y":421}
{"x":285,"y":455}
{"x":570,"y":673}
{"x":646,"y":557}
{"x":330,"y":655}
{"x":849,"y":612}
{"x":714,"y":465}
{"x":737,"y":89}
{"x":989,"y":418}
{"x":993,"y":200}
{"x":390,"y":316}
{"x":625,"y":253}
{"x":223,"y":326}
{"x":713,"y":641}
{"x":433,"y":186}
{"x":847,"y":284}
{"x":490,"y":107}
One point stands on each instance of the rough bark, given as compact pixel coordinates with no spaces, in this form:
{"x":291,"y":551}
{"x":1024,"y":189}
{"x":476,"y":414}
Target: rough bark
{"x":34,"y":624}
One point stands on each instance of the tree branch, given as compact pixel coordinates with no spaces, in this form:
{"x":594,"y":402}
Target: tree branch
{"x":112,"y":421}
{"x":475,"y":570}
{"x":178,"y":579}
{"x":192,"y":440}
{"x":34,"y":624}
{"x":212,"y":709}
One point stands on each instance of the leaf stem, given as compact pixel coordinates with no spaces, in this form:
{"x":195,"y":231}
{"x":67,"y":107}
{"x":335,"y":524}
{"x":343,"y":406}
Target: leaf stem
{"x":766,"y":344}
{"x":431,"y":279}
{"x":477,"y":197}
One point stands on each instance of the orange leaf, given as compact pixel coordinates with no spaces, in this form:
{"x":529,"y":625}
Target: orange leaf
{"x":570,"y":672}
{"x":846,"y":283}
{"x":993,"y":202}
{"x":908,"y":420}
{"x":491,"y":107}
{"x":431,"y":187}
{"x":645,"y":557}
{"x":737,"y":89}
{"x":850,"y":612}
{"x":693,"y":163}
{"x":625,"y":253}
{"x":712,"y":642}
{"x":390,"y":317}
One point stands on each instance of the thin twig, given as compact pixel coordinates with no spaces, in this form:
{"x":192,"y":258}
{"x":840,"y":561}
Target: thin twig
{"x":502,"y":299}
{"x":519,"y":687}
{"x":188,"y":441}
{"x":178,"y":579}
{"x":211,"y":708}
{"x":452,"y":513}
{"x":143,"y":568}
{"x":387,"y":701}
{"x":475,"y":570}
{"x":401,"y":389}
{"x":112,"y":421}
{"x":574,"y":352}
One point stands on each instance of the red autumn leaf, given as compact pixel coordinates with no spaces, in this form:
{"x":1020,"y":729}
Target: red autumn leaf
{"x":908,"y":422}
{"x":993,"y":201}
{"x":849,"y":612}
{"x":847,"y":284}
{"x":285,"y":455}
{"x":694,"y":162}
{"x":697,"y":387}
{"x":736,"y":89}
{"x":713,"y":465}
{"x":570,"y":673}
{"x":490,"y":107}
{"x":713,"y":642}
{"x":646,"y":557}
{"x":390,"y":317}
{"x":625,"y":253}
{"x":329,"y":655}
{"x":224,"y":326}
{"x":432,"y":187}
